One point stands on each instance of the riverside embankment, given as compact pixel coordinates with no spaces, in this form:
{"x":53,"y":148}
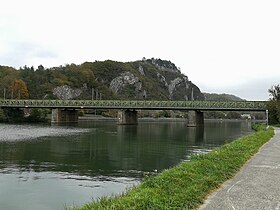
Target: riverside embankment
{"x":256,"y":186}
{"x":188,"y":184}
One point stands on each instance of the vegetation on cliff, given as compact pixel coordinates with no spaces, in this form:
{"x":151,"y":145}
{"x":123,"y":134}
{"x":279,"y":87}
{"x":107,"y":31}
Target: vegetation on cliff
{"x":221,"y":97}
{"x":153,"y":79}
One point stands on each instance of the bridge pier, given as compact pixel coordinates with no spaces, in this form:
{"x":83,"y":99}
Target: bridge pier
{"x":65,"y":116}
{"x":195,"y":118}
{"x":127,"y":117}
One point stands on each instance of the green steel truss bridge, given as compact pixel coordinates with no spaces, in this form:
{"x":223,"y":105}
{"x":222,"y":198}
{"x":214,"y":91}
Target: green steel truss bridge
{"x":137,"y":105}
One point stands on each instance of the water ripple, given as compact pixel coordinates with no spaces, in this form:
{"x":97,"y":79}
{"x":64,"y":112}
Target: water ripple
{"x":25,"y":132}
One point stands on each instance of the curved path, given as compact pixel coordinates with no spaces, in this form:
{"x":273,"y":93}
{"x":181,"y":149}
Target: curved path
{"x":256,"y":186}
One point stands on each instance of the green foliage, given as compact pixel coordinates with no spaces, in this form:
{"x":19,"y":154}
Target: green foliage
{"x":221,"y":97}
{"x":273,"y":112}
{"x":233,"y":115}
{"x":18,"y":115}
{"x":187,"y":185}
{"x":274,"y":105}
{"x":164,"y":113}
{"x":259,"y":127}
{"x":13,"y":115}
{"x":274,"y":92}
{"x":163,"y":64}
{"x":110,"y":113}
{"x":214,"y":115}
{"x":37,"y":115}
{"x":2,"y":115}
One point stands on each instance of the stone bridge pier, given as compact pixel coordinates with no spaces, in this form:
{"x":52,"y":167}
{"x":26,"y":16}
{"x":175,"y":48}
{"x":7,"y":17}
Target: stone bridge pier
{"x":127,"y":117}
{"x":195,"y":118}
{"x":65,"y":116}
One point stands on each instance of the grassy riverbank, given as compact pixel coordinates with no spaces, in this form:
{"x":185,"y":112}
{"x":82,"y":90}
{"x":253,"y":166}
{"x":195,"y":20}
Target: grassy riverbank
{"x":187,"y":185}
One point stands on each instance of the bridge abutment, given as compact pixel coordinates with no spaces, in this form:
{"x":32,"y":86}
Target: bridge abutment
{"x":195,"y":118}
{"x":65,"y":116}
{"x":127,"y":117}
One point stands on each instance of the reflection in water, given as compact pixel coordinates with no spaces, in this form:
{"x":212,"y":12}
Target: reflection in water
{"x":95,"y":159}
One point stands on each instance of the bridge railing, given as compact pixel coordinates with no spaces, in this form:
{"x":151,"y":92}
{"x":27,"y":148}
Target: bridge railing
{"x":137,"y":104}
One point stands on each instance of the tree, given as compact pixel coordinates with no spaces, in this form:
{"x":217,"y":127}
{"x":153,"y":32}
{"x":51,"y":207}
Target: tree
{"x":19,"y":89}
{"x":7,"y":75}
{"x":233,"y":115}
{"x":274,"y":104}
{"x":274,"y":92}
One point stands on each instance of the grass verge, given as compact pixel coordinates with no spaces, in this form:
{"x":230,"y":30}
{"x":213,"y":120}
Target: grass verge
{"x":187,"y":185}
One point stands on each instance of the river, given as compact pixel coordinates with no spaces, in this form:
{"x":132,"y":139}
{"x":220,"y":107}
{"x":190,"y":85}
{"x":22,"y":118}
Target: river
{"x":52,"y":167}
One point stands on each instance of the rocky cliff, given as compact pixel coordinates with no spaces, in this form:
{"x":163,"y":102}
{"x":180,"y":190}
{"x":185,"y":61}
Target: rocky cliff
{"x":154,"y":79}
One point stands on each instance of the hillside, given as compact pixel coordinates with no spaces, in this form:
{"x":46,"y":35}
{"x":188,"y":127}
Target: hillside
{"x":221,"y":97}
{"x":151,"y":79}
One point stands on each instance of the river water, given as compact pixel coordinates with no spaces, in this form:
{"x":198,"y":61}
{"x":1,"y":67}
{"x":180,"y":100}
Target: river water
{"x":52,"y":167}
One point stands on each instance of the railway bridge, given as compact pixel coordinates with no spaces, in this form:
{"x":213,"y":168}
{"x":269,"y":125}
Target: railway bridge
{"x":67,"y":110}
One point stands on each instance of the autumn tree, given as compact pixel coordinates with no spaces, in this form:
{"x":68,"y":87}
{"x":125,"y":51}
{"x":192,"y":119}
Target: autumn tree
{"x":19,"y":89}
{"x":7,"y":75}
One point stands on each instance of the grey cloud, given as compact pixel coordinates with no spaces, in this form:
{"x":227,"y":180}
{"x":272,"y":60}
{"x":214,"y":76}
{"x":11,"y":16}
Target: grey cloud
{"x":255,"y":89}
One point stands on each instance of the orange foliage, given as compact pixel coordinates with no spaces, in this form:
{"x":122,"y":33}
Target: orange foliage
{"x":19,"y":89}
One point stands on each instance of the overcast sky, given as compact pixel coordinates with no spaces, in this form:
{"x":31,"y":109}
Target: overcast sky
{"x":222,"y":46}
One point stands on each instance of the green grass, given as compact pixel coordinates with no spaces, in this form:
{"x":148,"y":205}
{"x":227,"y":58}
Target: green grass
{"x":187,"y":185}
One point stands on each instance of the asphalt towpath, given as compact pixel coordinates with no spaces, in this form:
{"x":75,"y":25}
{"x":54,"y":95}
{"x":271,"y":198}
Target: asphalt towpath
{"x":256,"y":186}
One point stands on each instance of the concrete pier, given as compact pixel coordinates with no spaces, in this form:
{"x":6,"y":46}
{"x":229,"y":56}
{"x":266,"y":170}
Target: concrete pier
{"x":127,"y":117}
{"x":64,"y":116}
{"x":195,"y":118}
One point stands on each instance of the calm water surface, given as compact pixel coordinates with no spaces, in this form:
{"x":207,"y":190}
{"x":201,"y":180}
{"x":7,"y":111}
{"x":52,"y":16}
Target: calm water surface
{"x":51,"y":167}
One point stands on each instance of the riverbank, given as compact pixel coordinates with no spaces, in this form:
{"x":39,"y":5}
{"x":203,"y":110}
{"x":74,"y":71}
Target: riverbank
{"x":143,"y":119}
{"x":159,"y":119}
{"x":256,"y":186}
{"x":187,"y":185}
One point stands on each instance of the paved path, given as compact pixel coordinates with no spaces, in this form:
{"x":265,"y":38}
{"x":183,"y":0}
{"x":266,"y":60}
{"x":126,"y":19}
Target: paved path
{"x":256,"y":186}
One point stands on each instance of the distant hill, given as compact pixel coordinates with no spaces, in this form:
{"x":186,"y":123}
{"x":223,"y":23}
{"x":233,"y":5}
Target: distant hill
{"x":221,"y":97}
{"x":151,"y":79}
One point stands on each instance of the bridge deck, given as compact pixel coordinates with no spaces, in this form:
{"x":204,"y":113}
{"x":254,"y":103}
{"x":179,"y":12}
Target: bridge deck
{"x":138,"y":104}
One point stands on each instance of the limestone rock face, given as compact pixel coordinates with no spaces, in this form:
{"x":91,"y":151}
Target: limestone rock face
{"x":126,"y":78}
{"x":163,"y":65}
{"x":173,"y":84}
{"x":66,"y":93}
{"x":162,"y":79}
{"x":141,"y":70}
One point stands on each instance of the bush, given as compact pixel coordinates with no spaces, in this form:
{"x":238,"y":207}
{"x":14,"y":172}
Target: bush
{"x":2,"y":115}
{"x":37,"y":115}
{"x":259,"y":127}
